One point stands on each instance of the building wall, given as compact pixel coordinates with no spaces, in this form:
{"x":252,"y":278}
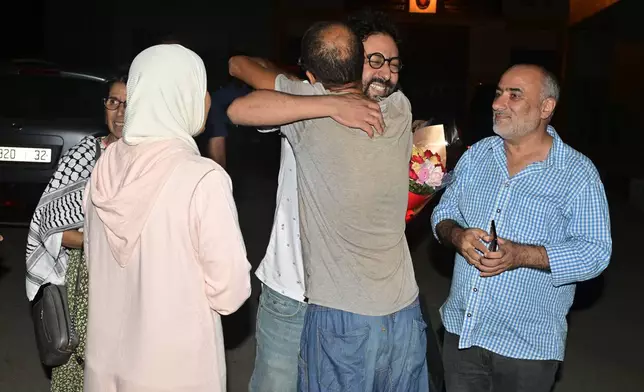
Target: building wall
{"x":603,"y":88}
{"x":581,"y":9}
{"x":452,"y":52}
{"x":112,"y":33}
{"x":547,"y":11}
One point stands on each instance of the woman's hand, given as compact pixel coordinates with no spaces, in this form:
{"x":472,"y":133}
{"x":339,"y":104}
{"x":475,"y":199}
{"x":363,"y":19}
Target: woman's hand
{"x":72,"y":239}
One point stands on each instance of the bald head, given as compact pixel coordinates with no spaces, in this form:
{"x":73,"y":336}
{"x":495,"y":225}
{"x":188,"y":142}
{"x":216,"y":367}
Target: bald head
{"x":525,"y":101}
{"x":549,"y":85}
{"x":332,"y":53}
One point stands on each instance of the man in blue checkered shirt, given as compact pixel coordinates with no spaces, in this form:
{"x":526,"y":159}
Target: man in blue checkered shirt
{"x":506,"y":312}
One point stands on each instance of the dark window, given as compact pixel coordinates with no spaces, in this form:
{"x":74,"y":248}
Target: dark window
{"x":47,"y":97}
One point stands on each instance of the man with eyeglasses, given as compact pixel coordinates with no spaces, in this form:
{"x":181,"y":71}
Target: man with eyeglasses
{"x":382,"y":60}
{"x":282,"y":302}
{"x":283,"y":306}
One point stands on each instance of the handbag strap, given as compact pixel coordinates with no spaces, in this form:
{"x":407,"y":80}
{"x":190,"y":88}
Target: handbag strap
{"x":79,"y":268}
{"x":97,"y":154}
{"x":97,"y":144}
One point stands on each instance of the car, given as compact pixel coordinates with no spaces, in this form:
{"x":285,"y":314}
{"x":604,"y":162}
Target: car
{"x":44,"y":110}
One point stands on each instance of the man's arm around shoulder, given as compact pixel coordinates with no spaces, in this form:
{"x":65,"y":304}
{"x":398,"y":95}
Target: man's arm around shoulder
{"x":255,"y":72}
{"x":265,"y":107}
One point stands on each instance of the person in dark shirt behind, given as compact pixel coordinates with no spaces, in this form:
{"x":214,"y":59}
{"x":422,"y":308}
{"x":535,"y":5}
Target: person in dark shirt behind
{"x":212,"y":142}
{"x":217,"y":123}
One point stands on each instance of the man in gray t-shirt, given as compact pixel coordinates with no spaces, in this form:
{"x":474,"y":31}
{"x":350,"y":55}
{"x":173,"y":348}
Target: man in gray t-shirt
{"x":363,"y":328}
{"x":353,"y":199}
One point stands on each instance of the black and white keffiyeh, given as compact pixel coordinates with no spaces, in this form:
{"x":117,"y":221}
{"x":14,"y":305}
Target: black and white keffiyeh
{"x":60,"y":208}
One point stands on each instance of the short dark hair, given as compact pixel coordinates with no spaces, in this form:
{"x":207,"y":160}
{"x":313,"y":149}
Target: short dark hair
{"x":333,"y":62}
{"x":118,"y":78}
{"x":369,"y":22}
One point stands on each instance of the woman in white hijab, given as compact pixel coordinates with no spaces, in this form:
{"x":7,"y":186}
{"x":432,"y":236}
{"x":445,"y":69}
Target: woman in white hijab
{"x":166,"y":256}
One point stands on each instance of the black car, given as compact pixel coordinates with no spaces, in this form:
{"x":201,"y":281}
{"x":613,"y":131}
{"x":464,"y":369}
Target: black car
{"x":44,"y":110}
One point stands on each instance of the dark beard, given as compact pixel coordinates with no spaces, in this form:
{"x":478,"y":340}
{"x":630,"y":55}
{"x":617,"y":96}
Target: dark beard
{"x":389,"y":87}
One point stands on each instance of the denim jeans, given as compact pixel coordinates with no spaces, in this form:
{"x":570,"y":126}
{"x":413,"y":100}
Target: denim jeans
{"x":278,"y":332}
{"x":348,"y":352}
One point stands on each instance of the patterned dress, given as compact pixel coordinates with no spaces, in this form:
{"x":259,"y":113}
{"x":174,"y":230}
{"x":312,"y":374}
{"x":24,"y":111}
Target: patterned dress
{"x":69,"y":377}
{"x":60,"y":209}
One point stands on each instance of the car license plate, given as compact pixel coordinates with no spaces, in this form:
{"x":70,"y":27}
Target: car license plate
{"x":25,"y":154}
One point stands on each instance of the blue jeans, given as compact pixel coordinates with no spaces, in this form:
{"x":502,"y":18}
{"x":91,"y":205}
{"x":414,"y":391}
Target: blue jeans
{"x":348,"y":352}
{"x":278,"y":332}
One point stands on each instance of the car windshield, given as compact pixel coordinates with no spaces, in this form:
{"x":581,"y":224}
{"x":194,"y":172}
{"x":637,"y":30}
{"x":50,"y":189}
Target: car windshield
{"x":48,"y":97}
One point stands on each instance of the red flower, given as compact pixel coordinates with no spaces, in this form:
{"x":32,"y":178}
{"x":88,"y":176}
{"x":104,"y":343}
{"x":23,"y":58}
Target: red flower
{"x":412,"y":174}
{"x":417,"y":159}
{"x":428,"y":154}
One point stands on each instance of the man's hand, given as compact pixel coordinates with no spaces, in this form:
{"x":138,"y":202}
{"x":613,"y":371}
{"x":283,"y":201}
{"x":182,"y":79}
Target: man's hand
{"x":417,"y":124}
{"x":355,"y":111}
{"x":504,"y":259}
{"x":511,"y":255}
{"x":468,"y":243}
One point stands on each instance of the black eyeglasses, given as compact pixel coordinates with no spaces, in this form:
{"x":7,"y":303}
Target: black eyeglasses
{"x":377,"y":60}
{"x":113,"y":103}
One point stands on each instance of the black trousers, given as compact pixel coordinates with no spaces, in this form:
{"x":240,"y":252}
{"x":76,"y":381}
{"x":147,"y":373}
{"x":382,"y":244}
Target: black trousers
{"x":479,"y":370}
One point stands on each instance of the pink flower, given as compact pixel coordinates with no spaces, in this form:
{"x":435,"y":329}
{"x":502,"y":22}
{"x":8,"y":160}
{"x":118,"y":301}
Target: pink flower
{"x":423,"y":173}
{"x":430,"y":174}
{"x":435,"y":178}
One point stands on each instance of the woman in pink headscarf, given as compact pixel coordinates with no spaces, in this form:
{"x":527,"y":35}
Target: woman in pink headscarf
{"x":166,"y":256}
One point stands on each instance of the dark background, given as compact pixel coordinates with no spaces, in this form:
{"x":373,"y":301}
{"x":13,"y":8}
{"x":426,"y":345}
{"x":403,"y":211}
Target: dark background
{"x":452,"y":62}
{"x":452,"y":59}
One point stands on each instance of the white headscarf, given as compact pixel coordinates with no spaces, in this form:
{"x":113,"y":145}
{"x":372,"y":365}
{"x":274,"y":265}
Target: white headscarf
{"x":166,"y":90}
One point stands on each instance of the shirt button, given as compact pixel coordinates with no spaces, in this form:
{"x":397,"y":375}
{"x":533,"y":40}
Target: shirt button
{"x":498,"y":211}
{"x":475,"y":289}
{"x":469,"y":315}
{"x":507,"y":184}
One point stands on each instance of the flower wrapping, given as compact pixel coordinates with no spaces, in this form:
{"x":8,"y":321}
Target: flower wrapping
{"x":427,"y":173}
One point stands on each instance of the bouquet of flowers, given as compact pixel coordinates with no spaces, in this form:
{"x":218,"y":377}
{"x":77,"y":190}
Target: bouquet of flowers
{"x":427,"y":173}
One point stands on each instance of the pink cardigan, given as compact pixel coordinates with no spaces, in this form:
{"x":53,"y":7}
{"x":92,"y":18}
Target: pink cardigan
{"x":166,"y":258}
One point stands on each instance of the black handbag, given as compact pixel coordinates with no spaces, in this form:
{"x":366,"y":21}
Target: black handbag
{"x":56,"y":336}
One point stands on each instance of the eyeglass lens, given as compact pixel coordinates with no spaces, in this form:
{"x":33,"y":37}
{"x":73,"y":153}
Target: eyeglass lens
{"x":377,"y":60}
